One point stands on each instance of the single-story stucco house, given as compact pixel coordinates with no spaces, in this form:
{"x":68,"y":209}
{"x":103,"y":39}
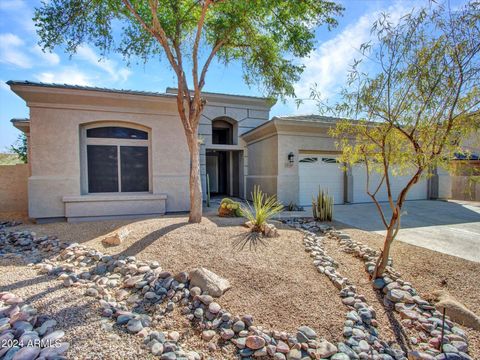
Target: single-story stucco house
{"x":101,"y":153}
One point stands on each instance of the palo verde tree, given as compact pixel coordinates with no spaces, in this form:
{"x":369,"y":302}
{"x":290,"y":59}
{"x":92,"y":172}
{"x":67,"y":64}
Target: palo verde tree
{"x":265,"y":36}
{"x":414,"y":102}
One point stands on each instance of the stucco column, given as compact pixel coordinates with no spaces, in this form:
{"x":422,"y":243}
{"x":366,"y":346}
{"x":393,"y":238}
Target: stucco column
{"x":28,"y":154}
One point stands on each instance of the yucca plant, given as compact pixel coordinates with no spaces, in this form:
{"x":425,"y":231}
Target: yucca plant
{"x":322,"y":206}
{"x":262,"y":209}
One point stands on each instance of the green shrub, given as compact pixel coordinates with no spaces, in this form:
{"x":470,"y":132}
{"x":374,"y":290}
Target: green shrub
{"x":322,"y":206}
{"x":264,"y":208}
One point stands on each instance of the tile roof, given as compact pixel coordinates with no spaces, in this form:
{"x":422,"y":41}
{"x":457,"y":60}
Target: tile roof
{"x":309,"y":118}
{"x":170,"y":92}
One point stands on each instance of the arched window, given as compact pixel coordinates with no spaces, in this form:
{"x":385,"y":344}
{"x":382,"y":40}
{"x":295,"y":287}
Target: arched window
{"x":117,"y":159}
{"x":222,"y":132}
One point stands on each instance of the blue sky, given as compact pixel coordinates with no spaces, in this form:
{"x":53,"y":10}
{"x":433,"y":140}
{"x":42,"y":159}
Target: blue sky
{"x":22,"y":59}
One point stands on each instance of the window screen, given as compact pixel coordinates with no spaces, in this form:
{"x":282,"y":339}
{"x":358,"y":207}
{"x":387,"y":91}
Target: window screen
{"x":134,"y":168}
{"x":117,"y":132}
{"x":102,"y":168}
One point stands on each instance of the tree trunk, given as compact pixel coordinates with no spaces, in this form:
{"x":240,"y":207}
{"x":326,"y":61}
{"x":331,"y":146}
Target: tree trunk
{"x":383,"y":259}
{"x":195,"y":180}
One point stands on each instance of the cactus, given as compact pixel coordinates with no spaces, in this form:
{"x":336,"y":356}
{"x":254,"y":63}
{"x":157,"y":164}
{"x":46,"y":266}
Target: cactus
{"x":208,"y":191}
{"x":229,"y":207}
{"x":322,"y":206}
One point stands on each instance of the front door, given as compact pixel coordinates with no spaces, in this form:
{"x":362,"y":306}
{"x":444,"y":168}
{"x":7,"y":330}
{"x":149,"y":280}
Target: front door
{"x":224,"y":171}
{"x":217,"y":171}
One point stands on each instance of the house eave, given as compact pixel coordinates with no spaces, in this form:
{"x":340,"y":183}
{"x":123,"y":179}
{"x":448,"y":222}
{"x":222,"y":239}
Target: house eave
{"x":219,"y":98}
{"x":21,"y":124}
{"x":84,"y":98}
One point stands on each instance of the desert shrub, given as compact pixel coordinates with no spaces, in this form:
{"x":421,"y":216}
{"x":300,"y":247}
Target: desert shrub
{"x":293,"y":207}
{"x":322,"y":206}
{"x":229,"y":207}
{"x":262,"y":209}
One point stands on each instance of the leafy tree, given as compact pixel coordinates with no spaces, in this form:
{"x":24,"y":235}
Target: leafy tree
{"x":416,"y":101}
{"x":21,"y":148}
{"x":266,"y":36}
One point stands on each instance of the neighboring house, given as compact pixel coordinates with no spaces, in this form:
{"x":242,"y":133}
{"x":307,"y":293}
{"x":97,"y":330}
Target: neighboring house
{"x":101,"y":153}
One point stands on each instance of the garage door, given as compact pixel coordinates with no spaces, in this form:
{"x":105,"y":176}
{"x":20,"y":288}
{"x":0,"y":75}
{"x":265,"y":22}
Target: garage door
{"x":419,"y":191}
{"x":317,"y":171}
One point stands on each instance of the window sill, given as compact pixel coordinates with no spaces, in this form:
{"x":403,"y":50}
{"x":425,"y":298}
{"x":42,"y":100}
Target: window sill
{"x":113,"y":197}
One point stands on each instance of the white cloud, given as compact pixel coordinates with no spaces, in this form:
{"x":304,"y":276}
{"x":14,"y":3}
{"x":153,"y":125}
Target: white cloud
{"x":328,"y":66}
{"x":11,"y":51}
{"x":49,"y":58}
{"x":68,"y":75}
{"x":19,"y":12}
{"x":116,"y":72}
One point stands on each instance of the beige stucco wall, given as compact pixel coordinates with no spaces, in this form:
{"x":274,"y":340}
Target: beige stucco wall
{"x":268,"y":156}
{"x":263,"y":165}
{"x":55,"y":142}
{"x":288,"y":175}
{"x":13,"y":188}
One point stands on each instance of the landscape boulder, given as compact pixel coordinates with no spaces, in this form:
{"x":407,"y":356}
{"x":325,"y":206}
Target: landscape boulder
{"x":208,"y":281}
{"x":115,"y":238}
{"x":456,"y":310}
{"x":270,"y":230}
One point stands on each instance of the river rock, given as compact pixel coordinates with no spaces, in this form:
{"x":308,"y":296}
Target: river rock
{"x":134,"y":325}
{"x":255,"y":342}
{"x":326,"y":349}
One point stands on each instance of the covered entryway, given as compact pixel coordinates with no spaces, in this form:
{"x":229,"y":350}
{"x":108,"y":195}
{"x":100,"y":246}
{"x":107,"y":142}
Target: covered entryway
{"x":320,"y":171}
{"x":224,"y":172}
{"x":419,"y":191}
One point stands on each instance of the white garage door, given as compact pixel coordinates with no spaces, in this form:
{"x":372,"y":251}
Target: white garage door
{"x":419,"y":191}
{"x":317,"y":171}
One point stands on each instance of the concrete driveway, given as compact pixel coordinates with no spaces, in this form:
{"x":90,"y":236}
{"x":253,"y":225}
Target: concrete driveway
{"x":451,"y":227}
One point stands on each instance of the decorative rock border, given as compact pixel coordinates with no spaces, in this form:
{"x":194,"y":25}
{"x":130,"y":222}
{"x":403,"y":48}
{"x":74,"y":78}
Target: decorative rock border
{"x":360,"y":328}
{"x":25,"y":335}
{"x":416,"y":313}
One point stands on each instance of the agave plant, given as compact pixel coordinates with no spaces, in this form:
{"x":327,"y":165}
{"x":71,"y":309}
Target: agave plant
{"x":262,"y":209}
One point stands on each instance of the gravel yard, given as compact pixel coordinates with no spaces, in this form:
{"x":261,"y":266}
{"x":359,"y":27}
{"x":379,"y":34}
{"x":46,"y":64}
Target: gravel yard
{"x":78,"y":316}
{"x":274,"y":281}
